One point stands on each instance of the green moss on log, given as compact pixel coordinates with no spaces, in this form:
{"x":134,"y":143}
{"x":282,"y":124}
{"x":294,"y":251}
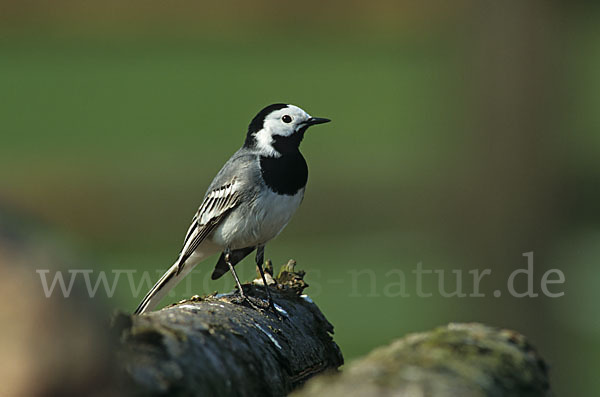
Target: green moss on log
{"x":469,"y":360}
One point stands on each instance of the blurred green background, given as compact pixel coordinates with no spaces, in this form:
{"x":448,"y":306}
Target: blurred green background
{"x":465,"y":134}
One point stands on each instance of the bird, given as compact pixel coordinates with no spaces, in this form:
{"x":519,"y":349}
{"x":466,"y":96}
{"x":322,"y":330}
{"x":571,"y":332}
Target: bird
{"x":249,"y":202}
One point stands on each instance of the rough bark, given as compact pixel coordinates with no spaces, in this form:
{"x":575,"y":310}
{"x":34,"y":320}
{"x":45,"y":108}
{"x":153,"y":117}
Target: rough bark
{"x":468,"y":360}
{"x":219,"y":346}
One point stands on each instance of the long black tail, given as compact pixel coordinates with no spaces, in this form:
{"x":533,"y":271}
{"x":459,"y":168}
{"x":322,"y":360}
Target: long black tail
{"x":161,"y":288}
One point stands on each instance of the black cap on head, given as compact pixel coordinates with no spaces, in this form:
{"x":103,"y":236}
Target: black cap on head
{"x":257,"y":122}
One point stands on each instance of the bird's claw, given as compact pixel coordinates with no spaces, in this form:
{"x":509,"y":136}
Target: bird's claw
{"x":252,"y":304}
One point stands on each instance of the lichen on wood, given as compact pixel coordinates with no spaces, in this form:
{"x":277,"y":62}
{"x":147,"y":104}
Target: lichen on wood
{"x":467,"y":360}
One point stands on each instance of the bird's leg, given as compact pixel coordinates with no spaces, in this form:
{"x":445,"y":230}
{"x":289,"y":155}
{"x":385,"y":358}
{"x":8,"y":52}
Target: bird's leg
{"x":237,"y":280}
{"x":260,"y":258}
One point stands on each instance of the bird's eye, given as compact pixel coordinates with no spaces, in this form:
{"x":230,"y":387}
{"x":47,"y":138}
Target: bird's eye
{"x":286,"y":119}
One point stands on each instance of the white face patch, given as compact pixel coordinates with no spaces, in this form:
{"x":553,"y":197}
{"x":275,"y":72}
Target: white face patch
{"x":264,"y":142}
{"x":282,"y":122}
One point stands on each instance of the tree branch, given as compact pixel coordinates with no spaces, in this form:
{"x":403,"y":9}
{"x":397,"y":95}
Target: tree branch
{"x":218,"y":345}
{"x":467,"y":360}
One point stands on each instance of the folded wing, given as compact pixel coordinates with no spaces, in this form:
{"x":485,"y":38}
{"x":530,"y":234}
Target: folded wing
{"x":216,"y":206}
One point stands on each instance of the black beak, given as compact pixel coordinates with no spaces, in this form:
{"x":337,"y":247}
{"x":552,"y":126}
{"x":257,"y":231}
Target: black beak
{"x":315,"y":120}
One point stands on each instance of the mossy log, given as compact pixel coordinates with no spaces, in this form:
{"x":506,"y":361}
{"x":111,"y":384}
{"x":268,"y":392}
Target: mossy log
{"x":220,"y":346}
{"x":467,"y":360}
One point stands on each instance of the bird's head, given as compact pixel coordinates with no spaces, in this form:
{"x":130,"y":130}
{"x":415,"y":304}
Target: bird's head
{"x":279,"y":128}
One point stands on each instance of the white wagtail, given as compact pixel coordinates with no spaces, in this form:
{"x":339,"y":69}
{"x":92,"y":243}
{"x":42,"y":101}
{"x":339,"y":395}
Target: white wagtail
{"x":249,"y":202}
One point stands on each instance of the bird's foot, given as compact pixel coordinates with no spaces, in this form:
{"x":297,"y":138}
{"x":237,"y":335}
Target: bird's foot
{"x":246,"y":299}
{"x":252,"y":304}
{"x":260,"y":305}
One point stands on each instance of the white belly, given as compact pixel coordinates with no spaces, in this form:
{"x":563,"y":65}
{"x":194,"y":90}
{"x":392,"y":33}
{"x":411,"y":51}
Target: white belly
{"x":258,"y":222}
